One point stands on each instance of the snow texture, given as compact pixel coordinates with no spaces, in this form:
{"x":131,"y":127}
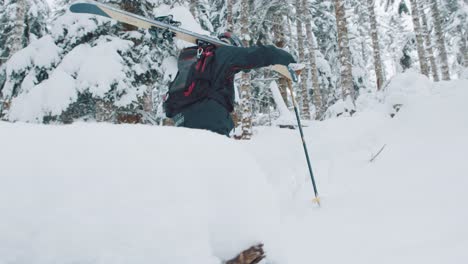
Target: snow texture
{"x":101,"y":193}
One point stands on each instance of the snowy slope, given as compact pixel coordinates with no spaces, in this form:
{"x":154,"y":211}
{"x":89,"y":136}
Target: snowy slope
{"x":96,"y":193}
{"x":409,"y":206}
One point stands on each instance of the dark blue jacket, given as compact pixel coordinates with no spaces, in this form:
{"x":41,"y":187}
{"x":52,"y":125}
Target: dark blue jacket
{"x":229,"y":60}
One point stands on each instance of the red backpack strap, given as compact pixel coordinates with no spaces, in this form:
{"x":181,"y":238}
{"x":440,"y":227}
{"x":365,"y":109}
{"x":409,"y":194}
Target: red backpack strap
{"x":204,"y":56}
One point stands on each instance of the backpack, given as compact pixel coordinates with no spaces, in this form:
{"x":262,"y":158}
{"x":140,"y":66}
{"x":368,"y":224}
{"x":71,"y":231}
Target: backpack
{"x":193,"y":80}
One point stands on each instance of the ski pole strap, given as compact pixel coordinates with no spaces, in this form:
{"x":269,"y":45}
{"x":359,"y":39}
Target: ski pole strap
{"x":204,"y":57}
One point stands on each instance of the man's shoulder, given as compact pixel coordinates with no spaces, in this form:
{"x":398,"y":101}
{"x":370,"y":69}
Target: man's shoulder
{"x":227,"y":51}
{"x":226,"y":48}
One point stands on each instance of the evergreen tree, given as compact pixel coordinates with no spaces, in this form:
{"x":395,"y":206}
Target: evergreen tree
{"x":397,"y":36}
{"x":358,"y":35}
{"x":325,"y":31}
{"x":132,"y":69}
{"x":21,"y":21}
{"x":455,"y":27}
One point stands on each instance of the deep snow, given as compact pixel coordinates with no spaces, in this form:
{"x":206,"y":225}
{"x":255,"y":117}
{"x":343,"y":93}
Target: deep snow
{"x":99,"y":193}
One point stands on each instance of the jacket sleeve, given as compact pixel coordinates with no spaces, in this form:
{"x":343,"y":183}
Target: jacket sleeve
{"x":257,"y":57}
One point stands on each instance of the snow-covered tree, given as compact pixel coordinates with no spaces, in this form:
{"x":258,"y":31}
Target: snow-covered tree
{"x":325,"y":31}
{"x":456,"y":28}
{"x":397,"y":36}
{"x":21,"y":21}
{"x":360,"y":52}
{"x":91,"y":68}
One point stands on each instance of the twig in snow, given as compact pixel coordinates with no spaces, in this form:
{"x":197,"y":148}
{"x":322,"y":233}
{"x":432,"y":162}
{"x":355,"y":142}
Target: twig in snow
{"x":378,"y":153}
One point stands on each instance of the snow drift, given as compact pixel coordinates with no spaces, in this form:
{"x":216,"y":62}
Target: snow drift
{"x":125,"y":194}
{"x":99,"y":193}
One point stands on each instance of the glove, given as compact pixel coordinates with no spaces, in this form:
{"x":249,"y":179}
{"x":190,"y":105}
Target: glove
{"x":283,"y":57}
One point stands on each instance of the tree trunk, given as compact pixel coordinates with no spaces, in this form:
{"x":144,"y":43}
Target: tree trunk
{"x":345,"y":53}
{"x":104,"y":111}
{"x":229,"y":21}
{"x":245,"y":94}
{"x":375,"y":44}
{"x":148,"y":103}
{"x":280,"y":42}
{"x":16,"y":41}
{"x":440,"y":40}
{"x":305,"y":110}
{"x":427,"y":38}
{"x":419,"y":38}
{"x":18,"y":33}
{"x":317,"y":97}
{"x":193,"y":8}
{"x":464,"y":47}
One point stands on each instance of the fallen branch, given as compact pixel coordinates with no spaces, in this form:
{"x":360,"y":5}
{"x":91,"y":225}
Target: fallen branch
{"x":252,"y":255}
{"x":378,"y":153}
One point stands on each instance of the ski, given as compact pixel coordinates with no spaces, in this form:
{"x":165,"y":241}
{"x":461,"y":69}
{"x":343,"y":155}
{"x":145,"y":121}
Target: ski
{"x":96,"y":8}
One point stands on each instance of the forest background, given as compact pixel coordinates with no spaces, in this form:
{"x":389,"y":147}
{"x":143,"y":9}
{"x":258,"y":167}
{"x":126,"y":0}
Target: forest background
{"x":58,"y":67}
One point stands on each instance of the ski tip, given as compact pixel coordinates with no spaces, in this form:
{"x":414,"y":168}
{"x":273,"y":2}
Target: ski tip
{"x":87,"y":8}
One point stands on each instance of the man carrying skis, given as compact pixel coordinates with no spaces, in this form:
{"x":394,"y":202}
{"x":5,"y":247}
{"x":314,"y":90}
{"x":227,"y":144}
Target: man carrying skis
{"x":202,"y":94}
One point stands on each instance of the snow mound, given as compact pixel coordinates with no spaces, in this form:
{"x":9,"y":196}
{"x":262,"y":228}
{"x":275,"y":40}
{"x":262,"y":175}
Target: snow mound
{"x":401,"y":91}
{"x":407,"y":87}
{"x":133,"y":194}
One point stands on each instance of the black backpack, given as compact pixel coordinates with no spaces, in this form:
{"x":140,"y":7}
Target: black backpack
{"x":193,"y":80}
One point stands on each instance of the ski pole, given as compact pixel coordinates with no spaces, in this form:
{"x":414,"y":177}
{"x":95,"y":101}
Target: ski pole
{"x":317,"y":199}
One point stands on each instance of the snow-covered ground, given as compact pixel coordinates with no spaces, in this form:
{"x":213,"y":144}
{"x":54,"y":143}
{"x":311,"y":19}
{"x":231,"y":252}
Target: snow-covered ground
{"x":99,"y":193}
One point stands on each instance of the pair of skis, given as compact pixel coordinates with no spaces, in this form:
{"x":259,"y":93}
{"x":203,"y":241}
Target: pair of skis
{"x":170,"y":30}
{"x":96,"y":8}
